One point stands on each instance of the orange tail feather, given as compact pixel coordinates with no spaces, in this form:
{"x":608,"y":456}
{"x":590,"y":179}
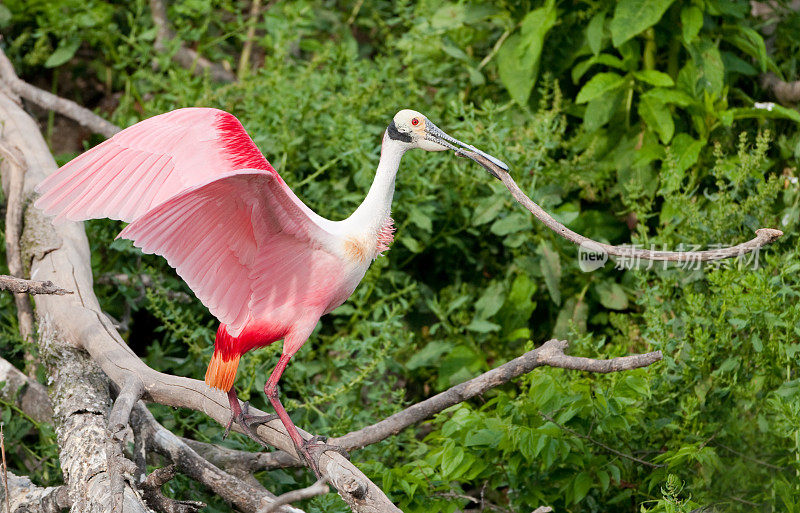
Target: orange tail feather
{"x":222,"y":372}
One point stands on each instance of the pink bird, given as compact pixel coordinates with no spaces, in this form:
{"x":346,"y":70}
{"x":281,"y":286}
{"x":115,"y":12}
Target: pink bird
{"x":196,"y":190}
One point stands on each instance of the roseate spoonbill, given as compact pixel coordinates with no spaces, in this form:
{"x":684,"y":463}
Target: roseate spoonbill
{"x":196,"y":190}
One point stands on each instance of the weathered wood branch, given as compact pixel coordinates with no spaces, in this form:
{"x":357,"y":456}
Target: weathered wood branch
{"x":24,"y":496}
{"x":48,"y":100}
{"x":786,"y":92}
{"x":318,"y":488}
{"x":27,"y":393}
{"x":763,"y":235}
{"x":23,"y":286}
{"x":551,"y":354}
{"x":186,"y":57}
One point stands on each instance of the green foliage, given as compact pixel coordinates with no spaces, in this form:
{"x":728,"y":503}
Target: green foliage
{"x":631,"y":122}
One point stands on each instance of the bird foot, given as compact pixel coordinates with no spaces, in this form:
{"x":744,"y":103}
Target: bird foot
{"x":247,"y":422}
{"x":312,"y":449}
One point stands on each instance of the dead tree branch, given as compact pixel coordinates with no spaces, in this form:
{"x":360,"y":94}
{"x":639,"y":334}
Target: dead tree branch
{"x":151,"y":489}
{"x":23,"y":286}
{"x":551,"y":354}
{"x":49,"y":101}
{"x":318,"y":488}
{"x":246,"y":496}
{"x":24,"y":496}
{"x":763,"y":235}
{"x":786,"y":92}
{"x":13,"y":167}
{"x":598,"y":443}
{"x":186,"y":57}
{"x":27,"y":393}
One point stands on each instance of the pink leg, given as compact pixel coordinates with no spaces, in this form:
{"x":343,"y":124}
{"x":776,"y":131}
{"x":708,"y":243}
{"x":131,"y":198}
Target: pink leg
{"x":245,"y":420}
{"x":303,"y":447}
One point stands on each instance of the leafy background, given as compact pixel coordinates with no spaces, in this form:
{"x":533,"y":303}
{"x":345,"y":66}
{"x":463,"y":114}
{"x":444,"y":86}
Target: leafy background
{"x":631,"y":121}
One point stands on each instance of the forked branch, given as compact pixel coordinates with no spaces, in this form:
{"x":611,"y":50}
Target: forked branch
{"x":763,"y":235}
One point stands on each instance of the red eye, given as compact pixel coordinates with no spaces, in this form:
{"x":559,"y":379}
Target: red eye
{"x":415,"y":121}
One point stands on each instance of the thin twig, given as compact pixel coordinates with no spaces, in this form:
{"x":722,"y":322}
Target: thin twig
{"x":5,"y":469}
{"x":763,"y":235}
{"x":318,"y":488}
{"x":22,"y":286}
{"x":750,"y":458}
{"x":495,"y":48}
{"x":48,"y":100}
{"x":599,"y":444}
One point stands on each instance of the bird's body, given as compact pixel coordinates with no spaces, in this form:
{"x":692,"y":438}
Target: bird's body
{"x":196,"y":190}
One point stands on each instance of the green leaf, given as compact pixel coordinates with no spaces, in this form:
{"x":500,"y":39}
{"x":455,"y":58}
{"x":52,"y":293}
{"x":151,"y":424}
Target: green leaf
{"x":64,"y":52}
{"x":428,"y":355}
{"x":654,"y":77}
{"x":5,"y":16}
{"x":594,"y":32}
{"x":511,"y":223}
{"x":766,"y":110}
{"x":598,"y":85}
{"x":685,"y":151}
{"x":750,"y":42}
{"x":551,"y":270}
{"x":673,"y":96}
{"x":612,"y":295}
{"x":487,"y":209}
{"x":631,"y":17}
{"x":482,"y":326}
{"x":658,"y":117}
{"x":691,"y":22}
{"x":582,"y":67}
{"x":600,"y":110}
{"x":518,"y":58}
{"x":490,"y":301}
{"x":419,"y":218}
{"x":710,"y":71}
{"x":581,"y":486}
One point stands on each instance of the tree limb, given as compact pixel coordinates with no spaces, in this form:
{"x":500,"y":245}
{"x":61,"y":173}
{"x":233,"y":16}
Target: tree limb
{"x":318,"y":488}
{"x":24,"y":496}
{"x":30,"y":395}
{"x":551,"y":354}
{"x":186,"y":57}
{"x":763,"y":235}
{"x":23,"y":286}
{"x":49,"y":101}
{"x":786,"y":92}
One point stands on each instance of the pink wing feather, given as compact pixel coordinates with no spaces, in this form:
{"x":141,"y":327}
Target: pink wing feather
{"x":240,"y":238}
{"x":147,"y":163}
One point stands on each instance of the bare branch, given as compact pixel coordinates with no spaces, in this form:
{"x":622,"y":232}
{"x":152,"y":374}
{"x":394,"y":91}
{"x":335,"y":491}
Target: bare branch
{"x":763,"y":235}
{"x":244,"y":58}
{"x":599,"y":444}
{"x":243,"y":461}
{"x":318,"y":488}
{"x":246,"y":496}
{"x":13,"y":167}
{"x":24,"y":496}
{"x":23,"y":286}
{"x":49,"y":101}
{"x":28,"y":394}
{"x":130,"y":392}
{"x":786,"y":92}
{"x":186,"y":57}
{"x":151,"y":489}
{"x":551,"y":353}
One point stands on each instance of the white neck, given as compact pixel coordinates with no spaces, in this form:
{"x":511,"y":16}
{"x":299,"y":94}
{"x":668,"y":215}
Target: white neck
{"x":377,"y":206}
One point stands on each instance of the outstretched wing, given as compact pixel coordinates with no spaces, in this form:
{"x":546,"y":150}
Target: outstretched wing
{"x":243,"y":243}
{"x":149,"y":162}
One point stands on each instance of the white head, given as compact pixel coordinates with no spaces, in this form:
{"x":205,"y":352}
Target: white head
{"x":414,"y":130}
